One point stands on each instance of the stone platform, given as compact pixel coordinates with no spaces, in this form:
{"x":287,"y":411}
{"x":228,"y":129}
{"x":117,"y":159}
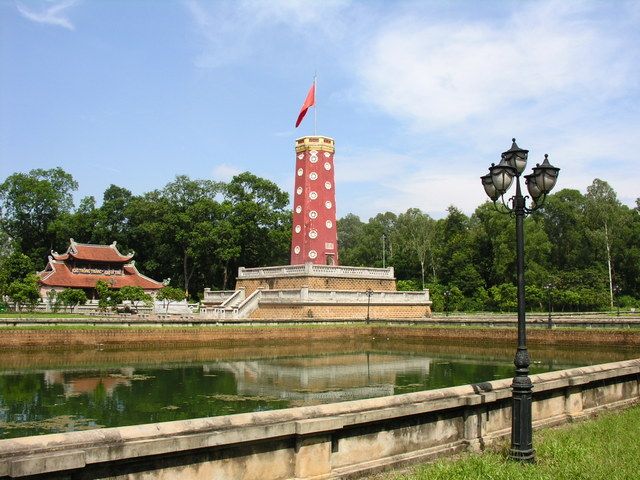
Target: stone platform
{"x":311,"y":291}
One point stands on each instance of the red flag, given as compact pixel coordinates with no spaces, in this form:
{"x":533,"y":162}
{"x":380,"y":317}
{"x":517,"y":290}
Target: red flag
{"x":310,"y":101}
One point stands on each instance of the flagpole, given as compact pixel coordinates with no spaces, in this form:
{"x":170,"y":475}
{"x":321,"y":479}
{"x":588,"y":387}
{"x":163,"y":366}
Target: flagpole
{"x":315,"y":107}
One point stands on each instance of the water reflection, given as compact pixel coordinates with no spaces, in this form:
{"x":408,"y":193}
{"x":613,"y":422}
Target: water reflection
{"x":65,"y":390}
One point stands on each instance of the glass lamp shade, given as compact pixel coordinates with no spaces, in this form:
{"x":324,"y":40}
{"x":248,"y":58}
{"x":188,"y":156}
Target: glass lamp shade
{"x":489,"y":187}
{"x":532,"y":186}
{"x":546,"y":175}
{"x":516,"y":157}
{"x":502,"y":176}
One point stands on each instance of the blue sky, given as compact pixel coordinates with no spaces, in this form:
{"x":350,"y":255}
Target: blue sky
{"x":420,"y":96}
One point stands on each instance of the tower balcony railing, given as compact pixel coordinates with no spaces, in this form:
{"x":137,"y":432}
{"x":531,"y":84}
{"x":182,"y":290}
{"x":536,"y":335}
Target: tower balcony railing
{"x":310,"y":269}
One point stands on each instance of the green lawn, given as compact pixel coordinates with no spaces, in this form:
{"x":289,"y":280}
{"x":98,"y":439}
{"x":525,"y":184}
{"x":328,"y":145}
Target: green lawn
{"x":12,"y":315}
{"x":605,"y":448}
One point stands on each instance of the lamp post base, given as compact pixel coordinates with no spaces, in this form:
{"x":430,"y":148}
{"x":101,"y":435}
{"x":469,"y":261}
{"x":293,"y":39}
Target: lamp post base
{"x":526,"y":456}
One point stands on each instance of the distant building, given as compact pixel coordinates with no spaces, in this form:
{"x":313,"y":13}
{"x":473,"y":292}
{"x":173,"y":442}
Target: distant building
{"x":84,"y":264}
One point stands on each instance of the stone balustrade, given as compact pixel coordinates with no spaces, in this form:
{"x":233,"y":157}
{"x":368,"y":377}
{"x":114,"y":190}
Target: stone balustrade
{"x":310,"y":269}
{"x":306,"y":295}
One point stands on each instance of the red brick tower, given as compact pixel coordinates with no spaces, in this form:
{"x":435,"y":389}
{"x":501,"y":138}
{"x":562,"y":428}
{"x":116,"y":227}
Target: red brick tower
{"x":314,"y":237}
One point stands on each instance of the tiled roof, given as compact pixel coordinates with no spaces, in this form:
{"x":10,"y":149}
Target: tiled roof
{"x":93,"y":253}
{"x":61,"y":276}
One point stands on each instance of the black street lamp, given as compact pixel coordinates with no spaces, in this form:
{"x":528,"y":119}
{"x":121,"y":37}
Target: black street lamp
{"x":549,"y":287}
{"x":369,"y":292}
{"x":616,"y":291}
{"x":447,"y":294}
{"x":539,"y":183}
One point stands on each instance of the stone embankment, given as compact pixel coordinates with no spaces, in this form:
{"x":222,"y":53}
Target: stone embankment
{"x":197,"y":335}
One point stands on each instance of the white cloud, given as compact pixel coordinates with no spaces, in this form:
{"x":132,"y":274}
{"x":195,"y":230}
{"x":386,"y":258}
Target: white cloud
{"x":51,"y":13}
{"x":560,"y":76}
{"x":232,"y":31}
{"x":224,"y":172}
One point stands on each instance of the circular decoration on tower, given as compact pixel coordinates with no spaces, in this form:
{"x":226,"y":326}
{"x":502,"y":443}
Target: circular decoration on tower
{"x":329,"y":224}
{"x":327,"y":185}
{"x":327,"y":154}
{"x":313,"y":195}
{"x":313,"y":152}
{"x":296,"y":249}
{"x":313,"y":234}
{"x":328,"y":204}
{"x":313,"y":214}
{"x":313,"y":176}
{"x":313,"y":158}
{"x":301,"y":156}
{"x":313,"y":254}
{"x":299,"y":190}
{"x":300,"y":172}
{"x":298,"y":228}
{"x":327,"y":166}
{"x":298,"y":209}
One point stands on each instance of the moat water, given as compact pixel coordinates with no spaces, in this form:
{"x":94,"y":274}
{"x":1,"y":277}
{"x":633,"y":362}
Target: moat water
{"x":49,"y":391}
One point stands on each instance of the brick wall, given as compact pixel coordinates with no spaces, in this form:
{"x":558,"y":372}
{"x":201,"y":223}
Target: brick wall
{"x":333,"y":311}
{"x":317,"y":283}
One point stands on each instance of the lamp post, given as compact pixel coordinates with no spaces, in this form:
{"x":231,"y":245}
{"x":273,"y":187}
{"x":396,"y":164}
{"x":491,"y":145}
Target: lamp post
{"x":384,"y":251}
{"x":369,"y":292}
{"x":548,"y":287}
{"x":539,"y":183}
{"x":447,"y":294}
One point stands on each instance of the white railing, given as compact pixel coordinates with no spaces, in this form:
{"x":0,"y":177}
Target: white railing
{"x":305,"y":295}
{"x":310,"y":269}
{"x":217,"y":296}
{"x":249,"y":304}
{"x":234,"y":300}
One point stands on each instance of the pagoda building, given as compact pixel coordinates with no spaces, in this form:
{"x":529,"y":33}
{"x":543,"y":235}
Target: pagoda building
{"x":83,"y":265}
{"x":314,"y":237}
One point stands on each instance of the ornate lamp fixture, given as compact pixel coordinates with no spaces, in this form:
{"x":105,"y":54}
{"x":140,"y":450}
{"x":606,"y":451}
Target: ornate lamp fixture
{"x":539,"y":183}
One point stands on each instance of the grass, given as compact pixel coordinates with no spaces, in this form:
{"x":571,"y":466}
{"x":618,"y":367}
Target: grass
{"x":604,"y":448}
{"x":12,"y":315}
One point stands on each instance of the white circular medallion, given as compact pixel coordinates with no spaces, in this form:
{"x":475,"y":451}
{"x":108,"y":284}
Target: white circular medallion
{"x":299,"y":190}
{"x":301,"y":156}
{"x":298,"y":209}
{"x":313,"y":234}
{"x":327,"y":154}
{"x":300,"y":172}
{"x":327,"y":185}
{"x":313,"y":176}
{"x":313,"y":214}
{"x":313,"y":158}
{"x":327,"y":166}
{"x":313,"y":254}
{"x":313,"y":195}
{"x":329,"y":224}
{"x":296,"y":249}
{"x":298,"y":228}
{"x":313,"y":152}
{"x":328,"y":204}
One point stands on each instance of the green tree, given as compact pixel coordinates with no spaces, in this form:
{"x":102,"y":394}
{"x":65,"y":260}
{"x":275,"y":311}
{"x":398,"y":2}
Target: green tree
{"x":261,"y":217}
{"x":30,"y":203}
{"x":71,"y":297}
{"x":107,"y":297}
{"x":602,"y":210}
{"x":15,"y":266}
{"x":169,"y":295}
{"x":135,"y":295}
{"x":24,"y":292}
{"x":415,"y":238}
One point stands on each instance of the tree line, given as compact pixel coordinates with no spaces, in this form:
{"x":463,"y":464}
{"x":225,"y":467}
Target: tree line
{"x":191,"y":233}
{"x":581,"y":249}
